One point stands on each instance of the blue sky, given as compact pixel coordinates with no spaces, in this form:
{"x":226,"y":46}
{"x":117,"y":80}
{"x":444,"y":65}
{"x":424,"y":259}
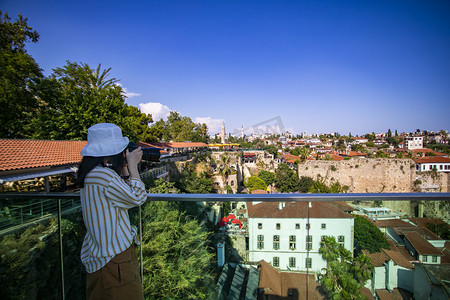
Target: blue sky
{"x":318,"y":66}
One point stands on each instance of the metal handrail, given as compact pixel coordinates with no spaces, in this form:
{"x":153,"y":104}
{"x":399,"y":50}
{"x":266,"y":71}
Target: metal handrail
{"x":298,"y":197}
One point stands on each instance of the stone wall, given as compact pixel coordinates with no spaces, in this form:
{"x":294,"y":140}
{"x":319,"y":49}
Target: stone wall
{"x":364,"y":175}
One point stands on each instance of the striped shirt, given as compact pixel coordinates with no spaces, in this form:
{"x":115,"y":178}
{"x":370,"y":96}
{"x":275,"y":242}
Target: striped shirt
{"x":105,"y":200}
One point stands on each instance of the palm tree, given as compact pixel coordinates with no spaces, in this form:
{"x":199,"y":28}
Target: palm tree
{"x":225,"y":169}
{"x":98,"y":80}
{"x":304,"y":153}
{"x":362,"y":268}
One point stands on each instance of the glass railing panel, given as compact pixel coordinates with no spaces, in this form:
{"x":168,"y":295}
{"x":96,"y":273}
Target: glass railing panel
{"x":180,"y":240}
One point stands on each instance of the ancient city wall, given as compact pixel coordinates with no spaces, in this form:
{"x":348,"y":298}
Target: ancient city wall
{"x":364,"y":175}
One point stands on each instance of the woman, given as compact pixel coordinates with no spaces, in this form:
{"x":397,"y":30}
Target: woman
{"x":108,"y":252}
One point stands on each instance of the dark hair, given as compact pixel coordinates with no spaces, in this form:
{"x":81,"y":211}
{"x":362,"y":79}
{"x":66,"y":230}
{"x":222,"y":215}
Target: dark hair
{"x":115,"y":162}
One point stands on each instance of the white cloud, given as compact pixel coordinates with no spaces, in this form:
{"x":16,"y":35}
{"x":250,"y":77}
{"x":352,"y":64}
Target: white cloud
{"x":127,"y":93}
{"x":214,"y":125}
{"x":157,"y":110}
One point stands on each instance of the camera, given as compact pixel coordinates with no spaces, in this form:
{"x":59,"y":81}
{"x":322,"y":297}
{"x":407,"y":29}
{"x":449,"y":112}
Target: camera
{"x":151,"y":154}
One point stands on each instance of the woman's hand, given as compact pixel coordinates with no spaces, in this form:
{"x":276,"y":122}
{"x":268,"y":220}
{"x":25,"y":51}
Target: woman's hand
{"x":133,"y":158}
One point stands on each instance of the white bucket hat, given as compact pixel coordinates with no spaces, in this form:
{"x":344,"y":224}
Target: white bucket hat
{"x":104,"y":139}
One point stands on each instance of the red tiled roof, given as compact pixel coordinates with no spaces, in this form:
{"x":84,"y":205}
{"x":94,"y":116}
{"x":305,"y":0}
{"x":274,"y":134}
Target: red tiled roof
{"x":422,"y":231}
{"x":342,"y":205}
{"x":391,"y":223}
{"x":295,"y":210}
{"x":426,"y":150}
{"x":432,"y":160}
{"x":421,"y":245}
{"x":24,"y":154}
{"x":259,"y":192}
{"x":379,"y":258}
{"x":396,"y":294}
{"x":422,"y":222}
{"x":352,"y":153}
{"x":277,"y":285}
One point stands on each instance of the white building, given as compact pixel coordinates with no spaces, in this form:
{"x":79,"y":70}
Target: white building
{"x":391,"y":270}
{"x":288,"y":234}
{"x":428,"y":163}
{"x":413,"y":142}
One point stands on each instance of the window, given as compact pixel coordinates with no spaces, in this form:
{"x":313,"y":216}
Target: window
{"x":424,"y":258}
{"x":232,"y":183}
{"x":259,"y":225}
{"x":323,"y":226}
{"x":309,"y":242}
{"x":276,"y":242}
{"x":276,"y":261}
{"x":308,"y":263}
{"x":292,"y":242}
{"x":297,"y":226}
{"x":434,"y":258}
{"x":341,"y":240}
{"x":278,"y":226}
{"x":292,"y":262}
{"x":308,"y":226}
{"x":322,"y":238}
{"x":260,"y":241}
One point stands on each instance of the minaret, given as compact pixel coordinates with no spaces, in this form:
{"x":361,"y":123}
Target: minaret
{"x":222,"y":133}
{"x":242,"y":132}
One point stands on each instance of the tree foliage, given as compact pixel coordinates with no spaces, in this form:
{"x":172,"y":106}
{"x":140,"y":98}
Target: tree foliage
{"x":267,"y":177}
{"x":177,"y":258}
{"x":77,"y":97}
{"x":344,"y":275}
{"x":179,"y":128}
{"x":368,"y":236}
{"x":20,"y":76}
{"x":286,"y":180}
{"x":255,"y":183}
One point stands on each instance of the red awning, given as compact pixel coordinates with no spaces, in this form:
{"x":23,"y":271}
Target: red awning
{"x":236,"y":221}
{"x":225,"y":219}
{"x":221,"y":223}
{"x":231,"y":216}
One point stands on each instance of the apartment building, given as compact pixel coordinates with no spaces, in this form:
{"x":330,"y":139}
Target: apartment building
{"x":413,"y":142}
{"x":288,"y":234}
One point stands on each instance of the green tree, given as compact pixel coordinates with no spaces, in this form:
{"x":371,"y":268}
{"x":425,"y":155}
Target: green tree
{"x":358,"y":147}
{"x":305,"y":183}
{"x":272,"y":149}
{"x":268,"y":177}
{"x":20,"y":76}
{"x":177,"y":259}
{"x":179,"y":128}
{"x":255,"y":183}
{"x":381,"y":154}
{"x":344,"y":276}
{"x":286,"y":180}
{"x":77,"y":97}
{"x":319,"y":186}
{"x":368,"y":236}
{"x":304,"y":153}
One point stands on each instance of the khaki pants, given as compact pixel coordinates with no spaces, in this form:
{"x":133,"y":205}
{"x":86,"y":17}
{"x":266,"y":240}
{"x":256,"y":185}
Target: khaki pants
{"x":118,"y":279}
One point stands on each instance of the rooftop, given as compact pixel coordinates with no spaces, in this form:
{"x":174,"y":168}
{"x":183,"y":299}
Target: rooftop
{"x":287,"y":285}
{"x":421,"y":245}
{"x":25,"y":154}
{"x":295,"y":210}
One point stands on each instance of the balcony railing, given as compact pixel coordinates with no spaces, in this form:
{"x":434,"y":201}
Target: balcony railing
{"x":48,"y":204}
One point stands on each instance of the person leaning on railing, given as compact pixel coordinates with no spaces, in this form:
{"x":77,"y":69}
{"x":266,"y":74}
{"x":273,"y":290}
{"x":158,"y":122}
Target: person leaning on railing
{"x":108,"y":252}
